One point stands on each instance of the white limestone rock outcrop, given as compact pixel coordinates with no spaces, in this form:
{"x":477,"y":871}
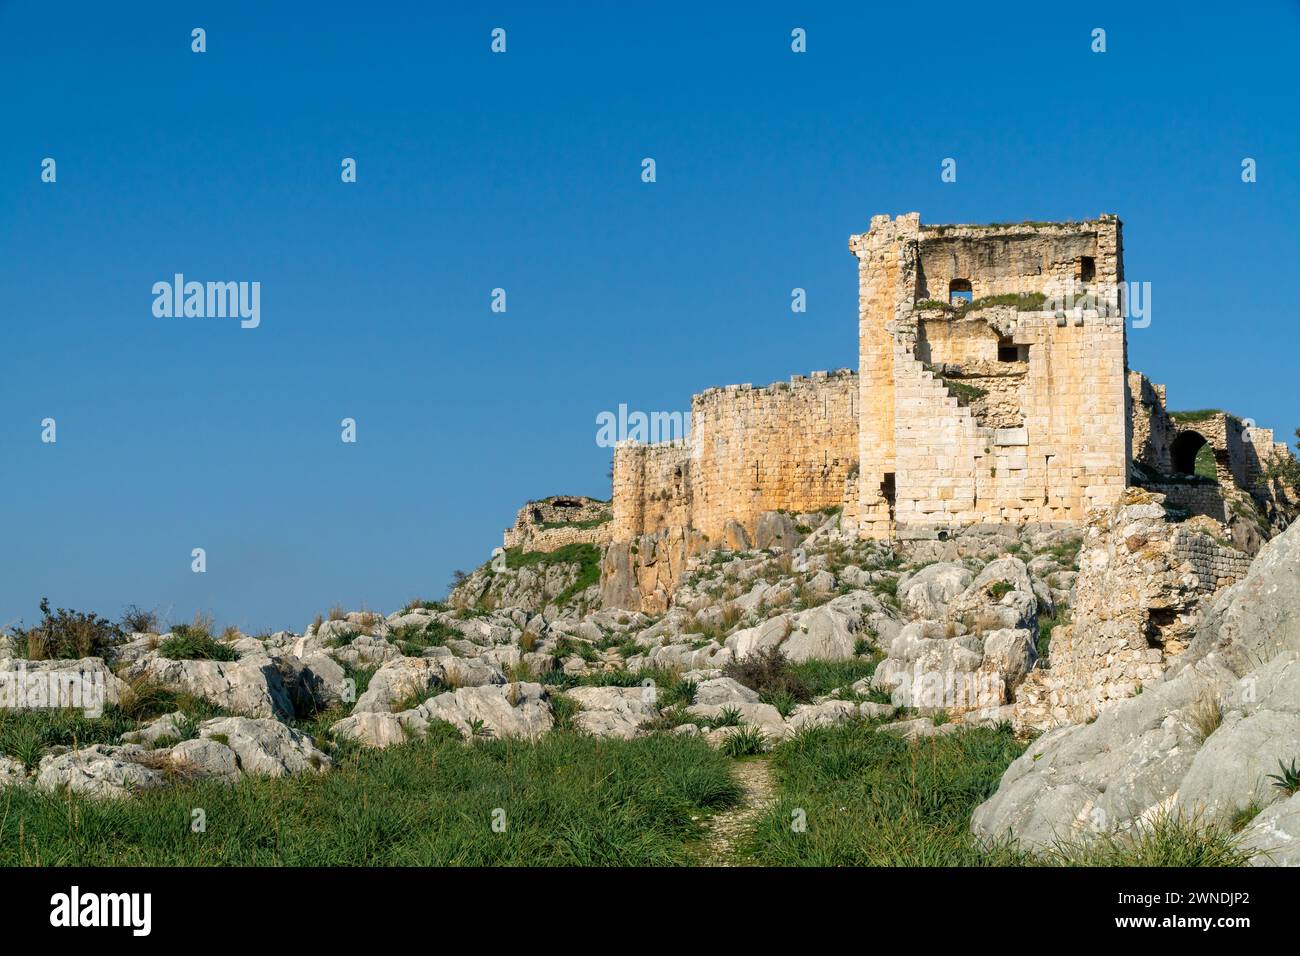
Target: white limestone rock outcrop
{"x":1199,"y":743}
{"x":614,"y":711}
{"x":250,"y":685}
{"x":265,"y":747}
{"x":97,"y":771}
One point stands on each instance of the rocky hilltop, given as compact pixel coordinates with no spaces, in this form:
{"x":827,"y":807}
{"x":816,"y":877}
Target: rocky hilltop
{"x":1150,"y":666}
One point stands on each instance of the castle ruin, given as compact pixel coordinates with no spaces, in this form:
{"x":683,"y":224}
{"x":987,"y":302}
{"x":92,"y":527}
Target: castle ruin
{"x":992,"y":390}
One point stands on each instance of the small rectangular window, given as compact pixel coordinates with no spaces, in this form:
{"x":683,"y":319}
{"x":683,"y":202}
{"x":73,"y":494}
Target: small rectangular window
{"x":1009,"y":351}
{"x":1087,"y":268}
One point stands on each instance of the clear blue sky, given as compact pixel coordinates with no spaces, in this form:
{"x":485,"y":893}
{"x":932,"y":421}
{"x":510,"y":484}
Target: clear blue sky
{"x":523,"y":171}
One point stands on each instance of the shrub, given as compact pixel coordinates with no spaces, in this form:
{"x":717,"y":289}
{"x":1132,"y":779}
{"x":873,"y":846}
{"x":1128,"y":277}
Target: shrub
{"x":1288,"y":781}
{"x":745,"y":741}
{"x":188,"y":643}
{"x":727,"y":717}
{"x":1001,"y":589}
{"x":136,"y":620}
{"x":68,"y":634}
{"x":768,"y":672}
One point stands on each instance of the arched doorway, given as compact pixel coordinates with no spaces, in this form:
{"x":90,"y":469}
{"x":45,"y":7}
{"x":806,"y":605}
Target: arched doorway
{"x":1193,"y":455}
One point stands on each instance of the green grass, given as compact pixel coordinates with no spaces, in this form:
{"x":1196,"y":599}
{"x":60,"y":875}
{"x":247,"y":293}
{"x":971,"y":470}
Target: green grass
{"x":585,"y":556}
{"x":822,"y":677}
{"x":1045,"y":625}
{"x":1024,"y":302}
{"x":670,"y":688}
{"x":1001,"y":589}
{"x":189,"y":644}
{"x":567,"y":800}
{"x":1196,"y":415}
{"x":1204,"y":466}
{"x":1170,"y":841}
{"x":413,"y":639}
{"x":873,"y":799}
{"x":26,"y":735}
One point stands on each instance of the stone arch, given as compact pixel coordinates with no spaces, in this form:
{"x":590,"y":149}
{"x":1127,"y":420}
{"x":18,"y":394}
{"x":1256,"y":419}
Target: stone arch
{"x":1186,"y":446}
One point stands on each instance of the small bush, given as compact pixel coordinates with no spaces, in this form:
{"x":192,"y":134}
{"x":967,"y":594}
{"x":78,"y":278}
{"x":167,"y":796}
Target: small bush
{"x":1001,"y":589}
{"x":64,"y":634}
{"x":136,"y":620}
{"x":727,"y":717}
{"x":768,"y":672}
{"x":191,"y":644}
{"x":745,"y":741}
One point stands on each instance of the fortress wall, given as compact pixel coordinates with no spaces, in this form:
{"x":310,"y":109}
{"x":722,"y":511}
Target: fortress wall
{"x":1152,"y":430}
{"x":788,"y":446}
{"x":551,"y":523}
{"x":887,"y":287}
{"x":1002,"y":260}
{"x":651,"y":488}
{"x":959,"y":342}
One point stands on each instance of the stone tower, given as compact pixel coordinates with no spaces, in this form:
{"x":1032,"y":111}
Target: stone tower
{"x":992,"y":374}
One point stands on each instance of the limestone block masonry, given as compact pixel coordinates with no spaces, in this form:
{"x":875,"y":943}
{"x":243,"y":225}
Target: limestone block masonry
{"x":788,"y":446}
{"x":941,"y":305}
{"x":551,"y":523}
{"x":992,"y":390}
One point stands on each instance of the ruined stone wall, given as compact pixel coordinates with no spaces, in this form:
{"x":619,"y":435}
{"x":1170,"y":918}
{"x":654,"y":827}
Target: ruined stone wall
{"x":651,"y":488}
{"x":1152,"y":430}
{"x":1206,"y":500}
{"x":1068,"y":456}
{"x":1260,"y":447}
{"x":551,"y":523}
{"x":887,"y":267}
{"x":790,"y":445}
{"x":1012,"y":258}
{"x":1043,"y":438}
{"x":1214,"y":565}
{"x":1142,"y":584}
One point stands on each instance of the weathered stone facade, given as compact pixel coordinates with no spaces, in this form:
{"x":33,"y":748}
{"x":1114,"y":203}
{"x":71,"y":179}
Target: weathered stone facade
{"x":992,"y":391}
{"x":1141,"y":585}
{"x":551,"y":523}
{"x":789,"y":446}
{"x":1003,"y":409}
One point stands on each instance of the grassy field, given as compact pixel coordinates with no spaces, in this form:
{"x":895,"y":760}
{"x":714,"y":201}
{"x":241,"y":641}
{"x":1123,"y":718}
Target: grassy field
{"x":873,"y":799}
{"x":566,"y":800}
{"x":842,"y":796}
